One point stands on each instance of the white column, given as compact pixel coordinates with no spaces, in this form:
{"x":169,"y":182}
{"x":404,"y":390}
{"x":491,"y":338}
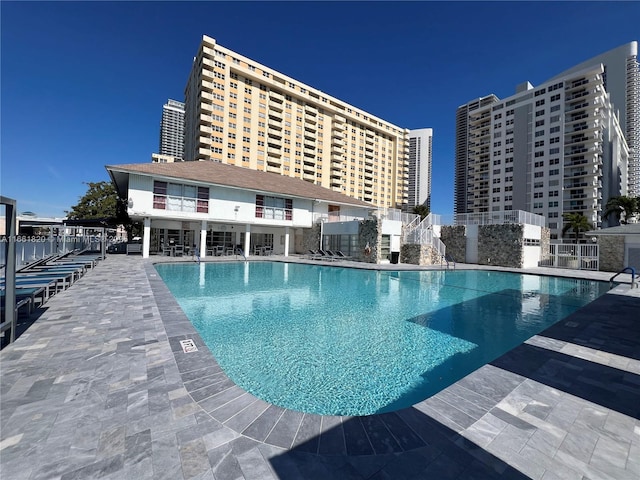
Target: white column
{"x":203,"y":239}
{"x":247,"y":239}
{"x":286,"y":241}
{"x":146,"y":237}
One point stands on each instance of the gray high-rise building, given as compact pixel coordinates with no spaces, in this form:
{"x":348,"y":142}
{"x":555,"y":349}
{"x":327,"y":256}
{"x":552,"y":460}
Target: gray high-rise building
{"x":172,"y":129}
{"x":420,"y":161}
{"x":552,"y":149}
{"x":622,"y":82}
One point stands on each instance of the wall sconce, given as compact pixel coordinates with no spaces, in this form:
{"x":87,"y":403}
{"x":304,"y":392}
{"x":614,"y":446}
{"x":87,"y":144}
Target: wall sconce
{"x":236,"y":208}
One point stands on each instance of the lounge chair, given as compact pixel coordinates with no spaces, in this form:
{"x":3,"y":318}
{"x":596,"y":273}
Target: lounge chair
{"x":325,"y":255}
{"x":314,"y":254}
{"x":339,"y":254}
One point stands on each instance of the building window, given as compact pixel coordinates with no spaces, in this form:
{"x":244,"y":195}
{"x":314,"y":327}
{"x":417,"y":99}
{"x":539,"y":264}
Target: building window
{"x":180,"y":198}
{"x":274,"y":208}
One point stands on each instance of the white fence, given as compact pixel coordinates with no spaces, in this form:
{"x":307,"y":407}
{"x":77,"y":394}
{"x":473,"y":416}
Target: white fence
{"x":491,"y":218}
{"x":572,"y":256}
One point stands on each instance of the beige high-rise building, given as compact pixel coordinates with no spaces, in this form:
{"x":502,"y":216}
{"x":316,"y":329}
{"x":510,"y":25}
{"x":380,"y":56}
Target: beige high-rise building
{"x":240,"y":112}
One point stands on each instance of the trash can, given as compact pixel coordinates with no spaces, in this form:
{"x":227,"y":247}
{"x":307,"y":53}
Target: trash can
{"x":394,"y":257}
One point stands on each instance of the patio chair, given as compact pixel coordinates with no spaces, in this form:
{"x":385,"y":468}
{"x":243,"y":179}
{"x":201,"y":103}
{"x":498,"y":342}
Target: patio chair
{"x":341,"y":255}
{"x":313,"y":254}
{"x":179,"y":250}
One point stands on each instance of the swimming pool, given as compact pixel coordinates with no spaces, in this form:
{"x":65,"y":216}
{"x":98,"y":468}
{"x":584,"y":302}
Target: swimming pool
{"x":342,"y":341}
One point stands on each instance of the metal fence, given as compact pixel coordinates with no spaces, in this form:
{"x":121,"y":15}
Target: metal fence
{"x":573,"y":256}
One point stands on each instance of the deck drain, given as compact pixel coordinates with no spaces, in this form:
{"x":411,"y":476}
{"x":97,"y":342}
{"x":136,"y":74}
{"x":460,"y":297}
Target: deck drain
{"x":188,"y":346}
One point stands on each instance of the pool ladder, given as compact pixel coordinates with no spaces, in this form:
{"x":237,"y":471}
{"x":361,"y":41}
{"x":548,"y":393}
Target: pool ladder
{"x":630,"y":270}
{"x":448,"y":260}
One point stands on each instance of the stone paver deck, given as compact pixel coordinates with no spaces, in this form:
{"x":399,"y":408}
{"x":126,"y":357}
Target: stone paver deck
{"x":99,"y":387}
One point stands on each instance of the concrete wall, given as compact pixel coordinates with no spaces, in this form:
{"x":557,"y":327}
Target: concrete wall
{"x":611,"y":252}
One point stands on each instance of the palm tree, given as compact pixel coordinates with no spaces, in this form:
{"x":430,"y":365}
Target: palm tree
{"x":576,"y":222}
{"x":421,"y":210}
{"x":622,"y":207}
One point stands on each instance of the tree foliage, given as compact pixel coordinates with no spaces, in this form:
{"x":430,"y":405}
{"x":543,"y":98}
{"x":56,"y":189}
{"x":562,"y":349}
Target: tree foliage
{"x":421,"y":210}
{"x":623,"y":207}
{"x":100,"y":202}
{"x":576,"y":222}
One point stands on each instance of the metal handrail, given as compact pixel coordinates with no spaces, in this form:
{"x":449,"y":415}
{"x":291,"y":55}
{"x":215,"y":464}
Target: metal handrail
{"x":631,"y":270}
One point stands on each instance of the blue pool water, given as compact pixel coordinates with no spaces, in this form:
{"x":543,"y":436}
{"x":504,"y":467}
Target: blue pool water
{"x":340,"y":341}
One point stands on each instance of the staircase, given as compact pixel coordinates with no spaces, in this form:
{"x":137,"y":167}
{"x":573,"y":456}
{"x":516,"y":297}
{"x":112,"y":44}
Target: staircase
{"x":421,"y":233}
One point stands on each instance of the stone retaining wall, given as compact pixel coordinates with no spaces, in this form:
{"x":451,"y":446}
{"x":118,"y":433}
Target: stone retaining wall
{"x":501,"y":245}
{"x":416,"y":254}
{"x":310,"y":238}
{"x":611,"y":252}
{"x":369,"y":233}
{"x":454,"y":238}
{"x":545,"y":244}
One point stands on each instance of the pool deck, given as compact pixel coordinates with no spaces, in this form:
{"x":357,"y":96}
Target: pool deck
{"x":99,"y":387}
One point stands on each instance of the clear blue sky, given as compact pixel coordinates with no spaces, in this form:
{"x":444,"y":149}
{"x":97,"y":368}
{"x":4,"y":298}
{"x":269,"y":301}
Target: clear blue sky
{"x":83,"y":83}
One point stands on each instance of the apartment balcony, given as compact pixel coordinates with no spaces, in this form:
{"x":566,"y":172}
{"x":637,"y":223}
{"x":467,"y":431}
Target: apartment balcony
{"x":309,"y":151}
{"x":207,"y":73}
{"x":310,"y":120}
{"x":310,"y":110}
{"x":204,"y":152}
{"x":275,"y":115}
{"x":275,"y":133}
{"x":577,"y":174}
{"x":274,"y":124}
{"x":206,"y":96}
{"x":337,"y":157}
{"x":276,"y":97}
{"x":204,"y":140}
{"x":274,"y":168}
{"x":336,"y":150}
{"x":337,"y":141}
{"x":310,"y":128}
{"x":206,"y":129}
{"x":337,"y":166}
{"x":368,"y":155}
{"x":206,"y":86}
{"x":310,"y":177}
{"x":276,"y":107}
{"x":477,"y":119}
{"x":274,"y":152}
{"x":339,"y":119}
{"x":208,"y":52}
{"x":580,"y":84}
{"x":205,"y":118}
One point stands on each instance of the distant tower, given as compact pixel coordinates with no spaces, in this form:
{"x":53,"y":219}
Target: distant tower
{"x":420,"y":159}
{"x":172,"y":129}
